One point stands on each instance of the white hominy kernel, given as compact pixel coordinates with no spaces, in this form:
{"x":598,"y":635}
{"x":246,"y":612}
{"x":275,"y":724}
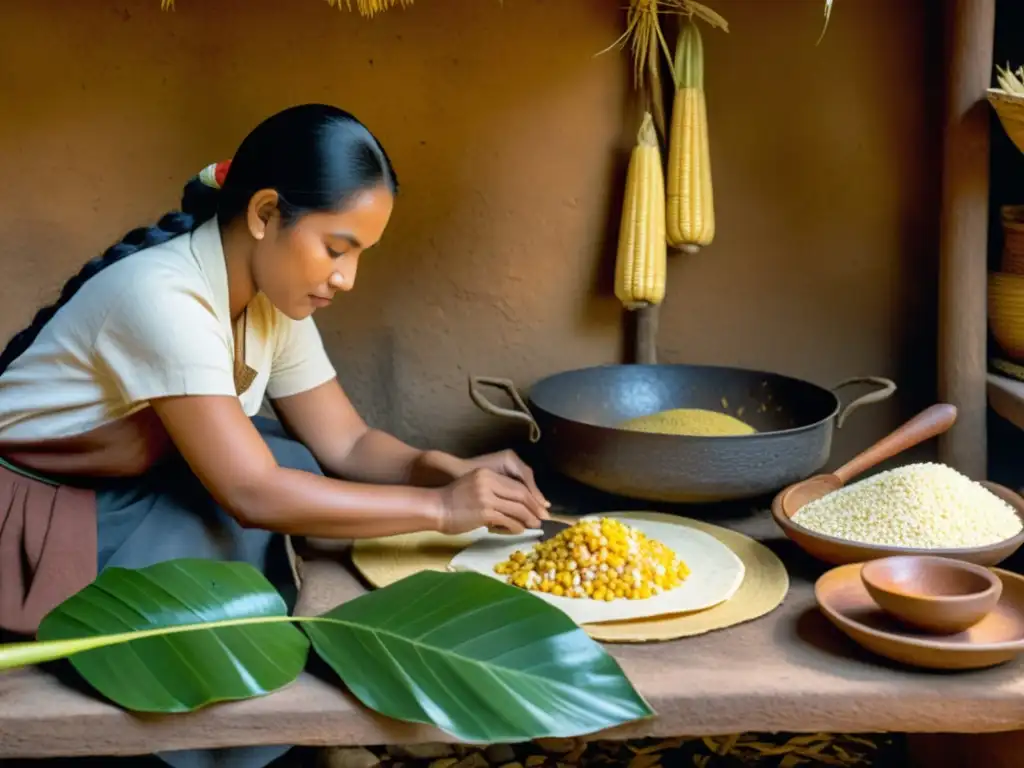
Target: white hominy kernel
{"x":927,"y":506}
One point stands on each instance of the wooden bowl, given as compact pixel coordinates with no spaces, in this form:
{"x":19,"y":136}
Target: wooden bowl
{"x":837,"y":551}
{"x":996,"y":639}
{"x":934,"y":594}
{"x":1006,"y":312}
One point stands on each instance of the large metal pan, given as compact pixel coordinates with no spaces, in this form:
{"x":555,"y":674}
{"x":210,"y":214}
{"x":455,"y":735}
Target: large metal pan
{"x":574,"y":416}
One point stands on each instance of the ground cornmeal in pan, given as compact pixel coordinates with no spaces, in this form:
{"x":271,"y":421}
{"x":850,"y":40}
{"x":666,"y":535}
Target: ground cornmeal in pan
{"x":695,"y":422}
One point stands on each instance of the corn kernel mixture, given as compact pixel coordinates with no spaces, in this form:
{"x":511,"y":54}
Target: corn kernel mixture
{"x":602,"y":559}
{"x":927,"y":506}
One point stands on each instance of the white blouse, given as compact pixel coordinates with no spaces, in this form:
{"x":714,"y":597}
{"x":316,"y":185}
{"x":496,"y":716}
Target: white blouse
{"x":155,"y":324}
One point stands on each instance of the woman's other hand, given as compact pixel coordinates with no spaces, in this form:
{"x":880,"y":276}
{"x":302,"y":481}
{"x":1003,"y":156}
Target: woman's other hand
{"x":485,"y":497}
{"x":509,"y":464}
{"x":436,"y":468}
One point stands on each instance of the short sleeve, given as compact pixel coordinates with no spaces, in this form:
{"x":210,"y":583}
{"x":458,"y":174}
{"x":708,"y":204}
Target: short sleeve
{"x":300,"y":360}
{"x":165,"y":341}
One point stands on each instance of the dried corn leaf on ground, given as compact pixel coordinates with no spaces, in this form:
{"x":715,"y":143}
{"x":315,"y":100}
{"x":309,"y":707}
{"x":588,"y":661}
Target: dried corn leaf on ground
{"x":750,"y":749}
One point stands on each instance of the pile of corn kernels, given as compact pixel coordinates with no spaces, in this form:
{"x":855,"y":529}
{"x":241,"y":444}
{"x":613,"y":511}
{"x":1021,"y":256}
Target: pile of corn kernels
{"x":598,"y":559}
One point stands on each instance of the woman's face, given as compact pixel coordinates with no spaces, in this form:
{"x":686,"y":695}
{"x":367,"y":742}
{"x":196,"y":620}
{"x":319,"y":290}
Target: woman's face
{"x":302,"y":266}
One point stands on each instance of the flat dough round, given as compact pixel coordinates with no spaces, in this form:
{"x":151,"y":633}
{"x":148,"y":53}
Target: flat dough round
{"x":763,"y":588}
{"x":715,"y":573}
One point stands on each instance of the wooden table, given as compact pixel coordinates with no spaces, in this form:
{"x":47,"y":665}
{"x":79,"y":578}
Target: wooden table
{"x":788,"y":671}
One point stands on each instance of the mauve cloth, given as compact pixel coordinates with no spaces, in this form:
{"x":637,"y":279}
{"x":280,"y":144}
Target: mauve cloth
{"x":47,"y":548}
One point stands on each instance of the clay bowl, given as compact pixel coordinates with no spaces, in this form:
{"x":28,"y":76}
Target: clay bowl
{"x":830,"y":549}
{"x":996,"y":639}
{"x":933,"y":594}
{"x":1006,"y":312}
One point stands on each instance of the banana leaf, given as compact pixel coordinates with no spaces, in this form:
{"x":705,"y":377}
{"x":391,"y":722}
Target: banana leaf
{"x":180,"y":634}
{"x":483,"y":660}
{"x":477,"y":658}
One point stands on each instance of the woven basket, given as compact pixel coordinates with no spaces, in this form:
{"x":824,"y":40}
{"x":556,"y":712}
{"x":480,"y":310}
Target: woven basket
{"x":1010,"y":108}
{"x":1006,"y":313}
{"x":1013,"y":239}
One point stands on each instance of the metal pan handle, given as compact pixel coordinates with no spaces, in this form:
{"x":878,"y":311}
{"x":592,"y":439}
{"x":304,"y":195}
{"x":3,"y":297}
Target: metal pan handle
{"x":485,"y":405}
{"x":888,"y":388}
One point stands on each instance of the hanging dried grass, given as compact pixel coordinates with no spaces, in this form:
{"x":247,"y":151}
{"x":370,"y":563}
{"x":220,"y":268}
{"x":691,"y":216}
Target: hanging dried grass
{"x":828,"y":15}
{"x":643,"y":30}
{"x":368,"y":8}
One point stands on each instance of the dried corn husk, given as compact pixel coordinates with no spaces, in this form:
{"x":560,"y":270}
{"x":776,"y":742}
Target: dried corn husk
{"x":1010,"y":81}
{"x":768,"y":750}
{"x":643,"y":30}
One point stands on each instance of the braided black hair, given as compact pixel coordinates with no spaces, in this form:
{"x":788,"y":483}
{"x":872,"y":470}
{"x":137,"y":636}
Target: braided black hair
{"x":315,"y":156}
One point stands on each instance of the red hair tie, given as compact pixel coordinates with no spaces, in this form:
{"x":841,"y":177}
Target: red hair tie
{"x":214,"y":174}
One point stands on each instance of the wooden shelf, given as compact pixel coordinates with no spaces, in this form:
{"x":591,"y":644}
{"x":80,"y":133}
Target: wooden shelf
{"x":1006,"y":396}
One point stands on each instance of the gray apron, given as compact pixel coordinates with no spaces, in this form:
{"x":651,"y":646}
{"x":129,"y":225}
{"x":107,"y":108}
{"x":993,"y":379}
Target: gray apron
{"x":168,"y":514}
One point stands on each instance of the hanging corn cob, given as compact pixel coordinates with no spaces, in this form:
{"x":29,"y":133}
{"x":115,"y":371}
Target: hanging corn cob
{"x":640,"y":262}
{"x":690,"y":215}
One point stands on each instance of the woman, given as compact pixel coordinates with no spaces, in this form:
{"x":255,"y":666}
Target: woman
{"x":127,"y":408}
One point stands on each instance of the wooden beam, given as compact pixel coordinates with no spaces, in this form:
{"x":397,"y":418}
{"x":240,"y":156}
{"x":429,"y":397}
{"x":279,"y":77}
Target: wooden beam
{"x":970,"y":26}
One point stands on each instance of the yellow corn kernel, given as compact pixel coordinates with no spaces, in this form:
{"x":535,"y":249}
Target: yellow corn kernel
{"x":611,"y":562}
{"x":640,"y":264}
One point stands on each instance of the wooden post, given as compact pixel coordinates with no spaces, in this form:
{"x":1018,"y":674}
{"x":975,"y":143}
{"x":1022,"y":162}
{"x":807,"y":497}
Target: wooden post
{"x":963,"y":246}
{"x":646,"y":347}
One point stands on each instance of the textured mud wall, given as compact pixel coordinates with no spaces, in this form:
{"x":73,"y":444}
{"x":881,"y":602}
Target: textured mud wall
{"x":509,"y":138}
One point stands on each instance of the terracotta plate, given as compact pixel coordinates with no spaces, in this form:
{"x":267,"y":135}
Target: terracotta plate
{"x":997,"y":638}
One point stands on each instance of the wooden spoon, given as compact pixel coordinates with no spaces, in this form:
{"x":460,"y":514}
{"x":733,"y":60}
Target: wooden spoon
{"x":930,"y":422}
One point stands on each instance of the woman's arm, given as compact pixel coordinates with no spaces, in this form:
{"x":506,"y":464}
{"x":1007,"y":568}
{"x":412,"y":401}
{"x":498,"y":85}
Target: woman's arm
{"x":324,"y":420}
{"x":229,"y":456}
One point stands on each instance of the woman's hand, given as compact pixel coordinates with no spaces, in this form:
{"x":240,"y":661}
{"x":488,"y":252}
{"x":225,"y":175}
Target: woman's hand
{"x":483,"y":497}
{"x":507,"y":463}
